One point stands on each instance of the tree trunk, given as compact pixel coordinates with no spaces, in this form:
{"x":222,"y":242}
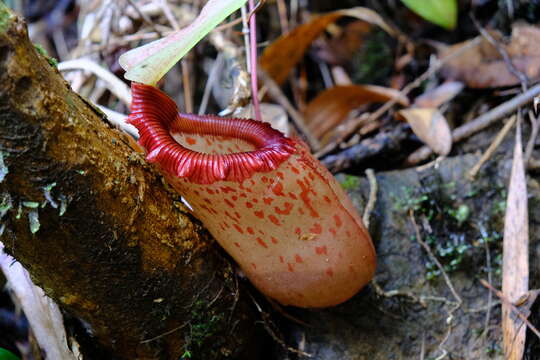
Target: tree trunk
{"x":97,"y":228}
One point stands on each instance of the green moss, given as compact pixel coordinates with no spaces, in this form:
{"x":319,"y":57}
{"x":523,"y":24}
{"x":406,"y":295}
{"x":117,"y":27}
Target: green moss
{"x":5,"y":16}
{"x":419,"y":201}
{"x":461,"y":214}
{"x":455,"y":225}
{"x":41,"y":50}
{"x":205,"y":325}
{"x":350,"y":182}
{"x":374,"y":62}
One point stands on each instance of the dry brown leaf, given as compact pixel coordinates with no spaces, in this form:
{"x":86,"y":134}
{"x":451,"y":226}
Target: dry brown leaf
{"x":440,"y":95}
{"x":340,"y":49}
{"x":332,"y":106}
{"x":430,"y":126}
{"x":515,"y":255}
{"x":273,"y":114}
{"x":283,"y":54}
{"x":482,"y":66}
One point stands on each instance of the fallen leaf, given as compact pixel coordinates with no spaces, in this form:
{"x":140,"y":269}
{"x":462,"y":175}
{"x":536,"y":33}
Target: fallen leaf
{"x":332,"y":106}
{"x":148,"y":63}
{"x":430,"y":126}
{"x":440,"y":95}
{"x":41,"y":311}
{"x":440,"y":12}
{"x":515,"y":269}
{"x":339,"y":50}
{"x":482,"y":66}
{"x":283,"y":54}
{"x":273,"y":114}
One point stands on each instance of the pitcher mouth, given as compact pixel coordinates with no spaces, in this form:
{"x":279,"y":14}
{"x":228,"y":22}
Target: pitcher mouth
{"x":156,"y":116}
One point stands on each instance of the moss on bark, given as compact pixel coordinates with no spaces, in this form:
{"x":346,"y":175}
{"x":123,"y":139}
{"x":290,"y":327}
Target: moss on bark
{"x":113,"y":246}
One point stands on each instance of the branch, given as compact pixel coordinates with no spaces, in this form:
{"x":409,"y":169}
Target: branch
{"x":94,"y":224}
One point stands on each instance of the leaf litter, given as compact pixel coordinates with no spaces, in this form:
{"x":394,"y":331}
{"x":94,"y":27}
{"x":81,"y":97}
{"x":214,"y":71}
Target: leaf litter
{"x":442,"y":83}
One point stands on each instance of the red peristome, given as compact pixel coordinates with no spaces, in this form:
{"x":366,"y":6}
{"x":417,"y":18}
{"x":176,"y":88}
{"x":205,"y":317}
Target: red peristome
{"x":270,"y":204}
{"x":156,"y":116}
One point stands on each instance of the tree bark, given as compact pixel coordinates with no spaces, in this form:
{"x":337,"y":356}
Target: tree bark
{"x":111,"y":244}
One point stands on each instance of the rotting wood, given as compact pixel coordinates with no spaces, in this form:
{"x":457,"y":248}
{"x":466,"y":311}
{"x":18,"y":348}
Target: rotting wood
{"x":110,"y":244}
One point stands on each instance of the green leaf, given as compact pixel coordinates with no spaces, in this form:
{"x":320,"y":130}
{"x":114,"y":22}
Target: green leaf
{"x":440,"y":12}
{"x":148,"y":63}
{"x":7,"y":355}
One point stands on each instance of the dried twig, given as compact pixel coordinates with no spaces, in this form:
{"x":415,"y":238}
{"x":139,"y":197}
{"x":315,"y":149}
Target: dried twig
{"x":165,"y":333}
{"x":433,"y":258}
{"x":384,"y":142}
{"x":504,"y":54}
{"x":535,"y":125}
{"x":458,"y":302}
{"x":513,"y":307}
{"x":372,"y":196}
{"x":145,"y":18}
{"x":212,"y":78}
{"x":253,"y":60}
{"x":480,"y":123}
{"x":186,"y":84}
{"x":523,"y":79}
{"x":420,"y":299}
{"x":119,"y":120}
{"x":490,"y":297}
{"x":267,"y":324}
{"x":492,"y":147}
{"x":116,"y":86}
{"x":283,"y":21}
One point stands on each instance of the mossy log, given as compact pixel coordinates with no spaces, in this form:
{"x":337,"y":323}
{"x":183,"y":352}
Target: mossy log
{"x":96,"y":226}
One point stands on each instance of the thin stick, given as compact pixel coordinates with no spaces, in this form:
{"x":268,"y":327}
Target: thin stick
{"x":169,"y":15}
{"x":492,"y":147}
{"x":245,"y":32}
{"x":119,"y":120}
{"x":186,"y":83}
{"x":276,"y":94}
{"x":186,"y":79}
{"x":283,"y":21}
{"x":480,"y":123}
{"x":212,"y":77}
{"x":435,"y":260}
{"x":240,"y":19}
{"x":253,"y":62}
{"x":266,"y":324}
{"x":165,"y":333}
{"x":513,"y":307}
{"x":490,"y":296}
{"x":116,"y":86}
{"x":504,"y":54}
{"x":372,"y":196}
{"x":532,"y":139}
{"x":145,"y":18}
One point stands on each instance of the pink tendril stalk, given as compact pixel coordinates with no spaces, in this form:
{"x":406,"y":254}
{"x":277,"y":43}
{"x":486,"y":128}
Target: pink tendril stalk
{"x":253,"y":60}
{"x":274,"y":208}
